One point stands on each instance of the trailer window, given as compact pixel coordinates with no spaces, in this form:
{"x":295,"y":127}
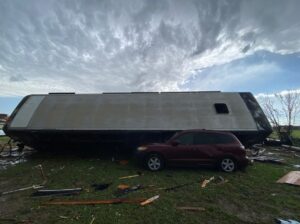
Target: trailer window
{"x":221,"y":108}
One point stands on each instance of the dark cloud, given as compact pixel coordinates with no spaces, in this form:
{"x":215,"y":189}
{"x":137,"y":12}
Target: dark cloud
{"x":134,"y":45}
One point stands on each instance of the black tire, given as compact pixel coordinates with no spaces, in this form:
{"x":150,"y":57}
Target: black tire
{"x":154,"y":162}
{"x":228,"y":164}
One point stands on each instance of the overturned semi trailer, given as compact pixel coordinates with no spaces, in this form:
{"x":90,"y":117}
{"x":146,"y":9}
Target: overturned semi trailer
{"x":125,"y":120}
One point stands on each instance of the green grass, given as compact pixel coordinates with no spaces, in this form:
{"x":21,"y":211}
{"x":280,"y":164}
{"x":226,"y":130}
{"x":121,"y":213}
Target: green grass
{"x":4,"y":139}
{"x":296,"y":134}
{"x":249,"y":197}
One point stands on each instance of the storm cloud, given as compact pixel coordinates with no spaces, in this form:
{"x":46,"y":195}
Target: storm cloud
{"x":134,"y":45}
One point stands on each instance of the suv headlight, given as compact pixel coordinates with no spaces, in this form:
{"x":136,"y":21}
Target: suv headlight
{"x":141,"y":148}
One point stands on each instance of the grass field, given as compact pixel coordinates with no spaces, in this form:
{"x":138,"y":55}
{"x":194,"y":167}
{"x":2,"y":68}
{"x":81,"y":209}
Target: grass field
{"x":250,"y":196}
{"x":296,"y":134}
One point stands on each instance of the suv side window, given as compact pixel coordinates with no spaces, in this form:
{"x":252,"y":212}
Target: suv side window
{"x":212,"y":138}
{"x":203,"y":138}
{"x":222,"y":139}
{"x":186,"y":139}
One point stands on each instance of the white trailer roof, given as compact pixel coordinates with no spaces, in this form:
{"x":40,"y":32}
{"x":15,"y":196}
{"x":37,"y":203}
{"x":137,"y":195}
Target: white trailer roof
{"x":133,"y":111}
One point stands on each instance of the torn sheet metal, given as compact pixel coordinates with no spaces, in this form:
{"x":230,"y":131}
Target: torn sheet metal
{"x":292,"y":177}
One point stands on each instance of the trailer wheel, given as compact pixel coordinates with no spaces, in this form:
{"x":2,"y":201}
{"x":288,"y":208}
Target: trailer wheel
{"x":155,"y":162}
{"x":228,"y":164}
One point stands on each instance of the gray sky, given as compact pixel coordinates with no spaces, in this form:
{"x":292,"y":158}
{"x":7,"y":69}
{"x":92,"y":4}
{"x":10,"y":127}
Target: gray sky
{"x":137,"y":45}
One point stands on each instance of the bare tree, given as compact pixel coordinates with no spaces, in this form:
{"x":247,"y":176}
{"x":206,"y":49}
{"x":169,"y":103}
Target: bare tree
{"x":290,"y":106}
{"x":280,"y":107}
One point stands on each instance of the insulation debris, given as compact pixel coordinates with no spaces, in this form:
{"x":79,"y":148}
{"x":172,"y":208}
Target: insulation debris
{"x":292,"y":177}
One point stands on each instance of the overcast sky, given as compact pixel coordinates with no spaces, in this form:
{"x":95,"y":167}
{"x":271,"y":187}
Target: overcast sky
{"x":151,"y":45}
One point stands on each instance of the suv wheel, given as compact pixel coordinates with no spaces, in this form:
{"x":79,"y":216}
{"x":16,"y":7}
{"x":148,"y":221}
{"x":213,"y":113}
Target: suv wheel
{"x":228,"y":165}
{"x":154,"y":162}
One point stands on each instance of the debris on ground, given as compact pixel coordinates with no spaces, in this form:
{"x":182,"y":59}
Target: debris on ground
{"x":268,"y":159}
{"x":40,"y":167}
{"x":10,"y":156}
{"x":131,"y":176}
{"x":295,"y":148}
{"x":205,"y":182}
{"x":272,"y":142}
{"x":221,"y":180}
{"x":22,"y":189}
{"x":63,"y":217}
{"x":282,"y":221}
{"x":122,"y":192}
{"x":193,"y":209}
{"x":150,"y":200}
{"x":101,"y":187}
{"x":123,"y":162}
{"x":292,"y":177}
{"x":97,"y":202}
{"x":176,"y":186}
{"x":123,"y":186}
{"x":56,"y":192}
{"x":93,"y":219}
{"x":257,"y":149}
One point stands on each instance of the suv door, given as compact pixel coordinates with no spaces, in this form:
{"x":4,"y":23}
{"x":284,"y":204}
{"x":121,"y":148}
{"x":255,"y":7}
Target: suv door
{"x":183,"y":153}
{"x":205,"y":150}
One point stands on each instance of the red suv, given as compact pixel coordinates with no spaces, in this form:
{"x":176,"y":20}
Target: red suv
{"x":195,"y":148}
